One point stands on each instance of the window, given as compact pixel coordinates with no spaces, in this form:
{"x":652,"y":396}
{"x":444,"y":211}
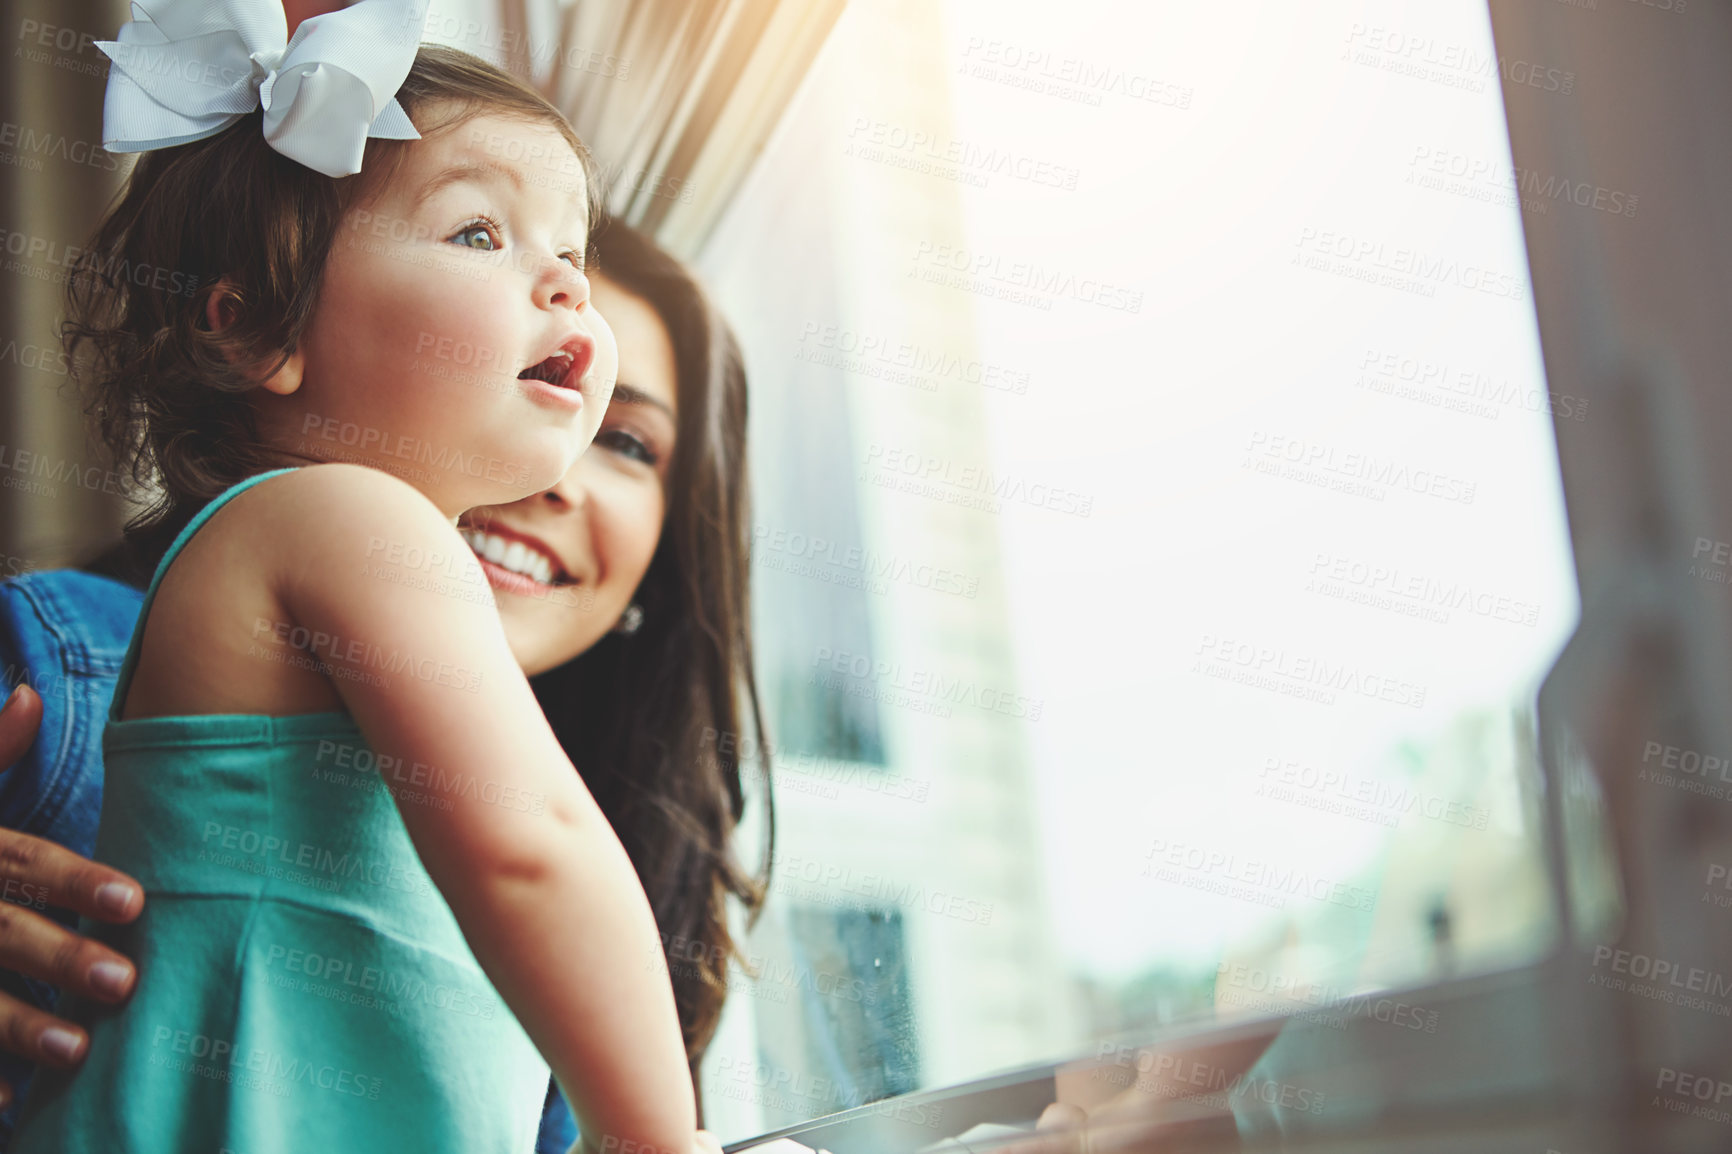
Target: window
{"x":1172,"y":371}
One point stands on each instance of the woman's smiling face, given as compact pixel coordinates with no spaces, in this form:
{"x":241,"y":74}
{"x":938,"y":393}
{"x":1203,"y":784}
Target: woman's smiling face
{"x":564,"y":564}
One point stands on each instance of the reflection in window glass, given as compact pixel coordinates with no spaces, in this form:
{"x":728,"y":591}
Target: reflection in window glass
{"x":854,"y":1018}
{"x":798,"y":531}
{"x":1197,"y":504}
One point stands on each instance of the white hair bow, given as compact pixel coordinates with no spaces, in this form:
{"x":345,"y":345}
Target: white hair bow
{"x":187,"y":69}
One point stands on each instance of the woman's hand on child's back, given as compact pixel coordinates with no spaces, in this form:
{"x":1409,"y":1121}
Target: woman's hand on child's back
{"x":35,"y":874}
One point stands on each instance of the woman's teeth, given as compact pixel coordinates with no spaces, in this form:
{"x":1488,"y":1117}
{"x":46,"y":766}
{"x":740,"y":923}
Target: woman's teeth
{"x":512,"y":555}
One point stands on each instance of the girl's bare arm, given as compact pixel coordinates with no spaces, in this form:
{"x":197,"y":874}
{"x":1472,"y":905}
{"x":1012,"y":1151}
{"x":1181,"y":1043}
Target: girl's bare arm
{"x":545,"y":893}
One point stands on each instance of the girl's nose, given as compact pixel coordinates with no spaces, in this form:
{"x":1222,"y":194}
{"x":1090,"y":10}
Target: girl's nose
{"x":561,"y":285}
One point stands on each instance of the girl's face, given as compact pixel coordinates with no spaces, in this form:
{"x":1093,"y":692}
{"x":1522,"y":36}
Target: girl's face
{"x":454,"y":342}
{"x":564,"y":564}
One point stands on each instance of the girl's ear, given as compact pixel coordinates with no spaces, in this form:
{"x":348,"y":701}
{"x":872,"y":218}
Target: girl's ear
{"x":220,"y":310}
{"x":287,"y":378}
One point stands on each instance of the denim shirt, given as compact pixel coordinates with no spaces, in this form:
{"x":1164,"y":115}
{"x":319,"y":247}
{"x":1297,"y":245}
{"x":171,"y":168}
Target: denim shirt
{"x":65,"y":633}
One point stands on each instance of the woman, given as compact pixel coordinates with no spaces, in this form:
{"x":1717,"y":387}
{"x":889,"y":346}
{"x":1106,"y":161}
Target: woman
{"x":624,"y":595}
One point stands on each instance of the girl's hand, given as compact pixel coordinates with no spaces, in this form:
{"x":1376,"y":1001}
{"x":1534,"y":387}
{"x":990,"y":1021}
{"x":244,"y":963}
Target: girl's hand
{"x":704,"y":1143}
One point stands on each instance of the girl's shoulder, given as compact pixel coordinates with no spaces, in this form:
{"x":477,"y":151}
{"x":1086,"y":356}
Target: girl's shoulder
{"x":298,"y":547}
{"x":314,"y":524}
{"x":342,"y":482}
{"x":336,"y":499}
{"x":302,"y":518}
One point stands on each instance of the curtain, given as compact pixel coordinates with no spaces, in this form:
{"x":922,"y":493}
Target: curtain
{"x":675,"y":98}
{"x":58,"y":499}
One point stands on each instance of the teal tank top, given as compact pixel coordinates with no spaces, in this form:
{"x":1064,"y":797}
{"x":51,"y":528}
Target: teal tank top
{"x":302,"y":985}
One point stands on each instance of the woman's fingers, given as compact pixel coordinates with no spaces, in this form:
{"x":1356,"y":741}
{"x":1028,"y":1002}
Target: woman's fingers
{"x":19,"y":722}
{"x":39,"y":948}
{"x":38,"y":1036}
{"x":38,"y":873}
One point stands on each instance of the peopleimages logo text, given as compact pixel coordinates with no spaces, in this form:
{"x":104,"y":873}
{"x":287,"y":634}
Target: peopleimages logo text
{"x":992,"y":268}
{"x":1376,"y":255}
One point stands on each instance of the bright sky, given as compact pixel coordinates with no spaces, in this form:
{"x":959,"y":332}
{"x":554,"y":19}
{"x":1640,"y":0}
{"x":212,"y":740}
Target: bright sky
{"x":1301,"y":126}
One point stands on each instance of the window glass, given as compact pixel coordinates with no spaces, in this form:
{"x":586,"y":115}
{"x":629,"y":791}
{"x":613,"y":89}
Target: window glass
{"x":1158,"y":533}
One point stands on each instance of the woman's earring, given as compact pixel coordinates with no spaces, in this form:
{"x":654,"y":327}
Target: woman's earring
{"x":631,"y":620}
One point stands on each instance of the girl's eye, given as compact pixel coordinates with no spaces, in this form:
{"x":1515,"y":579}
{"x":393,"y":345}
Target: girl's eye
{"x":575,"y":257}
{"x":483,"y":230}
{"x":626,"y":444}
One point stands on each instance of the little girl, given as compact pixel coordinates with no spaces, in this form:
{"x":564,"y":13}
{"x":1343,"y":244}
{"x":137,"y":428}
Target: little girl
{"x":367,"y":356}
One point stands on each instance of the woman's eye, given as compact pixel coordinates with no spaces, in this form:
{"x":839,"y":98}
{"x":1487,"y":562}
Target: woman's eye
{"x":626,"y":444}
{"x":485,"y":232}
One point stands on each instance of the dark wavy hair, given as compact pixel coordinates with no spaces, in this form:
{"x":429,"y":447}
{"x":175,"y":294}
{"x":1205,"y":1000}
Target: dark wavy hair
{"x":230,"y":216}
{"x":655,"y":721}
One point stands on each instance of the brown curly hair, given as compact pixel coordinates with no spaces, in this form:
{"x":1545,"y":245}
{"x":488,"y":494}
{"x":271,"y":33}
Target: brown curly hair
{"x":230,"y":217}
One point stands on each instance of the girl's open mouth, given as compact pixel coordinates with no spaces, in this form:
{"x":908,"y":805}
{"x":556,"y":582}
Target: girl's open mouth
{"x":565,"y":367}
